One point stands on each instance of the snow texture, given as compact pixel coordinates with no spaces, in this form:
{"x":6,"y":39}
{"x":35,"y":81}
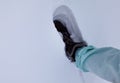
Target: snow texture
{"x":31,"y":51}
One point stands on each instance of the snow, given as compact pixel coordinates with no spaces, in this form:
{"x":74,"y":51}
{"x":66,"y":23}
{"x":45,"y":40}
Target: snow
{"x":31,"y":51}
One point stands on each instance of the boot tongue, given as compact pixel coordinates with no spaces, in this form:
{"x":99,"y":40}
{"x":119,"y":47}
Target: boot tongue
{"x":60,"y":27}
{"x":67,"y":40}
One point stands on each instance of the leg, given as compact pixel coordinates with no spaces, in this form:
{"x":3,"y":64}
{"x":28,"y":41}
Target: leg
{"x":104,"y":62}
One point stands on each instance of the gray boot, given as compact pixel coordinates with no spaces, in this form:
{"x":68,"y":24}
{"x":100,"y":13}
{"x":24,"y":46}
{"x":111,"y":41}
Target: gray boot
{"x":66,"y":25}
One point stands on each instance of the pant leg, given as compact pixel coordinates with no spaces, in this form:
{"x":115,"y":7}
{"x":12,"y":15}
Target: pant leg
{"x":104,"y":62}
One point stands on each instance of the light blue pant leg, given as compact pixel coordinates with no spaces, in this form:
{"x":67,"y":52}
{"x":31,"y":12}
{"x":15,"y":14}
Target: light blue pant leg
{"x":104,"y":62}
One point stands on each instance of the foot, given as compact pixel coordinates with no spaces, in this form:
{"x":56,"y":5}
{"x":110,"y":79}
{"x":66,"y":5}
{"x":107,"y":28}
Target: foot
{"x":66,"y":25}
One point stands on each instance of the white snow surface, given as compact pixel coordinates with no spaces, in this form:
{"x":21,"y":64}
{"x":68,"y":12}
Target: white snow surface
{"x":31,"y":50}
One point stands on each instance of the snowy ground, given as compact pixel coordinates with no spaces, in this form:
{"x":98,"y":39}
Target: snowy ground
{"x":31,"y":50}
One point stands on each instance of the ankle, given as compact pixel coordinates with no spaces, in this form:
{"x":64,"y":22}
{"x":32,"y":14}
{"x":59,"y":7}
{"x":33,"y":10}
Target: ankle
{"x":71,"y":48}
